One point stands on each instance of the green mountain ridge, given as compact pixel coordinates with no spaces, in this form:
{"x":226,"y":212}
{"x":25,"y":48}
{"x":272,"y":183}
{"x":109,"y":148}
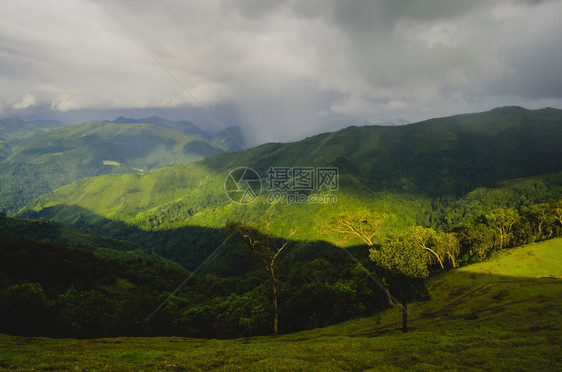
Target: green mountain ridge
{"x":228,"y":139}
{"x":42,"y":162}
{"x":183,"y":126}
{"x":416,"y":174}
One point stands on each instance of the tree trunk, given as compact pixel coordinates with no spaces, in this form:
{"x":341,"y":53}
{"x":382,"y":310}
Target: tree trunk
{"x":275,"y":306}
{"x":452,"y":258}
{"x":436,"y":255}
{"x":390,"y":302}
{"x":501,"y":238}
{"x":404,"y":317}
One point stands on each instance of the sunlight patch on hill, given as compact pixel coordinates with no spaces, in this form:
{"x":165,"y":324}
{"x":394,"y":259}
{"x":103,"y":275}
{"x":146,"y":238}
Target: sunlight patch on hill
{"x":531,"y":261}
{"x":110,"y":162}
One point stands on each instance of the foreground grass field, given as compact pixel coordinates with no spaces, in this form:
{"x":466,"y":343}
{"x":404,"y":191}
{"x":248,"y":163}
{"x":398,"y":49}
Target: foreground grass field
{"x":503,"y":314}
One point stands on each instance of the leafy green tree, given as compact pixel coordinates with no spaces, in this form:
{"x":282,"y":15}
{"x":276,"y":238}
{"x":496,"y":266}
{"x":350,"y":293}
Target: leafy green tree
{"x":86,"y":313}
{"x":24,"y":309}
{"x":402,"y":255}
{"x":413,"y":252}
{"x":536,"y":222}
{"x":407,"y":257}
{"x":502,"y":221}
{"x":556,"y":208}
{"x":199,"y":320}
{"x":244,"y":314}
{"x":475,"y":239}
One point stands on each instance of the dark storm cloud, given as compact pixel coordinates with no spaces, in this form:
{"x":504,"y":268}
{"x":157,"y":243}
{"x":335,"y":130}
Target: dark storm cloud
{"x":280,"y":68}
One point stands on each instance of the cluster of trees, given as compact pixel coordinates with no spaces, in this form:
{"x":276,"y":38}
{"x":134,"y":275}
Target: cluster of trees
{"x":404,"y":259}
{"x":324,"y":291}
{"x":54,"y":290}
{"x":502,"y":228}
{"x":419,"y":251}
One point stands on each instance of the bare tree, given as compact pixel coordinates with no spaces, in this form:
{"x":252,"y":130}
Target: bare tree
{"x":266,"y":249}
{"x":363,"y":226}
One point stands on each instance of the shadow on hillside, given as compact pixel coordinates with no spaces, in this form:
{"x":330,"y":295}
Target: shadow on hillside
{"x":188,"y":245}
{"x":477,"y":302}
{"x":459,"y":300}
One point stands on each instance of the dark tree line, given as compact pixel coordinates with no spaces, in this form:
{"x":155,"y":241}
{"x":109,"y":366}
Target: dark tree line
{"x":52,"y":290}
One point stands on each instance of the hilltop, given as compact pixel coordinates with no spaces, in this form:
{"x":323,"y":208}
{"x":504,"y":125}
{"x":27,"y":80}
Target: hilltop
{"x":16,"y":129}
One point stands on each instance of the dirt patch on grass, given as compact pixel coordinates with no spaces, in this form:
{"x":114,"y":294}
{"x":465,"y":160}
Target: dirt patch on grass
{"x":464,"y":298}
{"x":473,"y":293}
{"x":120,"y":340}
{"x":456,"y":291}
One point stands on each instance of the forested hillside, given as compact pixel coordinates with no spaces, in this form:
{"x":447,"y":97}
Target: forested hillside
{"x":437,"y":173}
{"x":40,"y":163}
{"x":51,"y":289}
{"x":54,"y":233}
{"x":15,"y":129}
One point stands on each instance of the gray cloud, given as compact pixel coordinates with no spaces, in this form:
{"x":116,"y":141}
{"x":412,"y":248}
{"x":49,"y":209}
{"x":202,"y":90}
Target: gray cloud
{"x":280,"y":68}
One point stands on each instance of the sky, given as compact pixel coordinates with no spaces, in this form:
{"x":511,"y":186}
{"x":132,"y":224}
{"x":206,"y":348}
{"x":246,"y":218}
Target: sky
{"x":282,"y":70}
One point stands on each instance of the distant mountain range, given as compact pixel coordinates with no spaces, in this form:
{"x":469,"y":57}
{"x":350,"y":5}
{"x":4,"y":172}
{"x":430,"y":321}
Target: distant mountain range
{"x":14,"y":129}
{"x":183,"y":126}
{"x":38,"y":157}
{"x":228,"y":139}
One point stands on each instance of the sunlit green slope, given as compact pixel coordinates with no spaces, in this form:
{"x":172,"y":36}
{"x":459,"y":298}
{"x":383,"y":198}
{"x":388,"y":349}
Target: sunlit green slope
{"x":399,"y":171}
{"x":45,"y":161}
